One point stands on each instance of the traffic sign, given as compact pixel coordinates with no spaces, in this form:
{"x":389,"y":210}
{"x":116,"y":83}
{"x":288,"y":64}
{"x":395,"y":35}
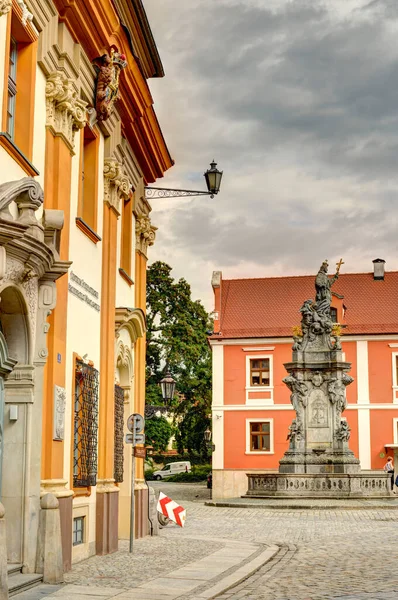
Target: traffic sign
{"x":135,"y":423}
{"x":129,"y":438}
{"x":139,"y":438}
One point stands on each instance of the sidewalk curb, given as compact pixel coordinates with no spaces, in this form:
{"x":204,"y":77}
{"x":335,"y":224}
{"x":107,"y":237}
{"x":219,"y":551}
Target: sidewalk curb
{"x":265,"y":506}
{"x":240,"y":574}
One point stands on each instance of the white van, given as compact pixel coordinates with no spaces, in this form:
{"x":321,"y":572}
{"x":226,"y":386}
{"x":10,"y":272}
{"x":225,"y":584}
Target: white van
{"x":173,"y":469}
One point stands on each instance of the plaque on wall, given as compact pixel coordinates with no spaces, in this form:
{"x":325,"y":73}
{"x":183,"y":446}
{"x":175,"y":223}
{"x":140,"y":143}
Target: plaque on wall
{"x":59,"y":412}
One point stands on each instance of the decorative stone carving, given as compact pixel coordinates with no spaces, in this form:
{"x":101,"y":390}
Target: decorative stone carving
{"x":5,"y":6}
{"x":31,"y":264}
{"x":145,"y":234}
{"x":26,"y":14}
{"x":132,"y":319}
{"x":108,"y":67}
{"x":59,"y":412}
{"x":116,"y":184}
{"x":65,"y":111}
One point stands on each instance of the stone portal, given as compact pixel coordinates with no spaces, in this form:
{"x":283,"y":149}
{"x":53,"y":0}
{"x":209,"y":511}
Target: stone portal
{"x":319,"y":461}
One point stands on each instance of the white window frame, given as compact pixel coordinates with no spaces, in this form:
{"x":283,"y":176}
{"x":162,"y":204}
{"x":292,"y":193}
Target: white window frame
{"x":271,"y":436}
{"x":395,"y":430}
{"x":394,"y":356}
{"x":260,"y":388}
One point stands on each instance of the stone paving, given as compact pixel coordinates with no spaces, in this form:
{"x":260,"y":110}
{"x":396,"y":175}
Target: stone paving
{"x":329,"y":554}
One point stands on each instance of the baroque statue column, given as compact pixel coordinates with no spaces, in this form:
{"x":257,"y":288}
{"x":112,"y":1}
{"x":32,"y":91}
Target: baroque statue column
{"x":65,"y":115}
{"x":116,"y":190}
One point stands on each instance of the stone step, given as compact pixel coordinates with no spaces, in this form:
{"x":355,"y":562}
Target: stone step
{"x":18,"y":582}
{"x":13,"y":568}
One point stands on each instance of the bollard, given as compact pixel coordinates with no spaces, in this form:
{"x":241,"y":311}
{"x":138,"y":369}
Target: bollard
{"x":49,"y":550}
{"x":153,"y":512}
{"x":3,"y":556}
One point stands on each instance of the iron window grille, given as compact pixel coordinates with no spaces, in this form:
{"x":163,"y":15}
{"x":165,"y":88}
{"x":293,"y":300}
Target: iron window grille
{"x":85,"y":426}
{"x":119,"y":440}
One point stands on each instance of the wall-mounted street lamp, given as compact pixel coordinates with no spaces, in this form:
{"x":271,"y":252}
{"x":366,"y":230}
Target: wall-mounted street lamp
{"x":207,"y":436}
{"x":168,"y":386}
{"x":213,"y":182}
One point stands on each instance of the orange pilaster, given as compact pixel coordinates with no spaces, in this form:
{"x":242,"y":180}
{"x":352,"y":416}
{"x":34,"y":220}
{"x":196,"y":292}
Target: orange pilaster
{"x":107,"y":362}
{"x":140,"y":347}
{"x":57,"y":190}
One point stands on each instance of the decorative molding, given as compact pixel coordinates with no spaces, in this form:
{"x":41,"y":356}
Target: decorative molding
{"x":26,"y":14}
{"x":105,"y":486}
{"x":145,"y":234}
{"x":264,"y":348}
{"x":108,"y":67}
{"x":87,"y":230}
{"x":59,"y":412}
{"x":131,"y":319}
{"x":126,"y":276}
{"x":116,"y":184}
{"x":58,"y":487}
{"x":65,"y":111}
{"x":5,"y":7}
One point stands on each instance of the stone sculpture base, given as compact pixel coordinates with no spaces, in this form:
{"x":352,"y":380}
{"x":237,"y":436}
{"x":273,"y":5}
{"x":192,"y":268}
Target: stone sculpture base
{"x":372,"y":484}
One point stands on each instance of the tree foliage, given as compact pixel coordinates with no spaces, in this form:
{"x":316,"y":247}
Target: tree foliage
{"x":158,"y":432}
{"x":177,"y":329}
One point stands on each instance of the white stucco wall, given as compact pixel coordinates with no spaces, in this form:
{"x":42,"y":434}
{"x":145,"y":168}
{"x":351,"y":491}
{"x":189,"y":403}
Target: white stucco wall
{"x":124,"y":292}
{"x":83,"y":327}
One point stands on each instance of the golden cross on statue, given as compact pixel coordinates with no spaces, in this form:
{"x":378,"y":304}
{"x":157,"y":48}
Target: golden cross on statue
{"x":338,"y":265}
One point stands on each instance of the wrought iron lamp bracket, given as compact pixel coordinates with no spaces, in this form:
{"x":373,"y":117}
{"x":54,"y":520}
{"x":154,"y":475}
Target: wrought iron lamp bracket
{"x":155,"y":192}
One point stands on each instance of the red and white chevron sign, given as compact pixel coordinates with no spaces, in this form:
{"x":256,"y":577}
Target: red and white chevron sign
{"x":171,"y":509}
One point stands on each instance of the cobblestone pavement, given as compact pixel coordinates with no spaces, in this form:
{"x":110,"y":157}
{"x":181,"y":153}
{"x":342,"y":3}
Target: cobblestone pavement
{"x":325,"y":554}
{"x":329,"y":554}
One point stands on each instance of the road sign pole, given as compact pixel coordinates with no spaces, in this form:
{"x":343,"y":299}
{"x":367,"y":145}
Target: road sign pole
{"x":132,"y":498}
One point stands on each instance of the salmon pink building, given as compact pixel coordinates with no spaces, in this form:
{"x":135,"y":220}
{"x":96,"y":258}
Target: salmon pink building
{"x":251,"y":342}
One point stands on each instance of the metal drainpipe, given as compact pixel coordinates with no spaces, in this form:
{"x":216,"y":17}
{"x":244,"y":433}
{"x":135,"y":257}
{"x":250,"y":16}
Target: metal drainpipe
{"x":149,"y":512}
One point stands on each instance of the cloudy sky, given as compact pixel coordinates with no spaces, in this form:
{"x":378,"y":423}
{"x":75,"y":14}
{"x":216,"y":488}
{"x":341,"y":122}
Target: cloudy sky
{"x":297,"y":101}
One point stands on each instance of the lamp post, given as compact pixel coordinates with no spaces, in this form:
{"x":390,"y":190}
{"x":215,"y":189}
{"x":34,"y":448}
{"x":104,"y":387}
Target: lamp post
{"x":207,"y":438}
{"x":213,"y":182}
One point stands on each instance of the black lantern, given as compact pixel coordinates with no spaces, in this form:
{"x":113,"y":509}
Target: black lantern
{"x":168,"y":386}
{"x":207,"y":435}
{"x":213,"y":179}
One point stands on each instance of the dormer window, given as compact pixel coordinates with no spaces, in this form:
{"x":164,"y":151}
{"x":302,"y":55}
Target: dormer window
{"x":333,"y":314}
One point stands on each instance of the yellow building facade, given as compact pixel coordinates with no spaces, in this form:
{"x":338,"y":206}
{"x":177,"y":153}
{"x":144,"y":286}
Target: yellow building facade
{"x":79,"y":141}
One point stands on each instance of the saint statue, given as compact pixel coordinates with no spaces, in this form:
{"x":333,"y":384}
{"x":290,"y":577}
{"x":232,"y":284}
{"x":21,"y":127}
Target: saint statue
{"x":323,"y":285}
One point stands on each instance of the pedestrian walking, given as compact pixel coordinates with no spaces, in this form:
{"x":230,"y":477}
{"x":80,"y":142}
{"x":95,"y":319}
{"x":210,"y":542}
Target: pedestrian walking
{"x":389,"y":468}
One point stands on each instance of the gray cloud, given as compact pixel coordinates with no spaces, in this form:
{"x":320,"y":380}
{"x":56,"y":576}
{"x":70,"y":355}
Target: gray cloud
{"x":298,"y":102}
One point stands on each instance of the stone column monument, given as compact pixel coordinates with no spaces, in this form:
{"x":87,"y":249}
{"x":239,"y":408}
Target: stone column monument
{"x":318,"y":461}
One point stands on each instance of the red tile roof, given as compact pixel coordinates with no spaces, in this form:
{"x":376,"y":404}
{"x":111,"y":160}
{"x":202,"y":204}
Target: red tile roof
{"x":269,"y":307}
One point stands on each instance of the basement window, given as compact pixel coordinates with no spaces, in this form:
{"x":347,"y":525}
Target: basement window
{"x":78,"y":531}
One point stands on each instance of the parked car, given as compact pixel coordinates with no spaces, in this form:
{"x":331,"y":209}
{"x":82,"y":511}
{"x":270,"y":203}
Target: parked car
{"x":209,"y":481}
{"x":173,"y":469}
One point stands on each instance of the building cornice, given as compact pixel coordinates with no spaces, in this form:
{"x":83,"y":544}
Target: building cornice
{"x":96,"y":27}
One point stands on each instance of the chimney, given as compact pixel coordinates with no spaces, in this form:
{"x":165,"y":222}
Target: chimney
{"x":378,"y":269}
{"x":216,"y":284}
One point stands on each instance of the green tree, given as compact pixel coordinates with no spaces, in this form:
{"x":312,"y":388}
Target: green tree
{"x":158,"y":432}
{"x":177,"y":330}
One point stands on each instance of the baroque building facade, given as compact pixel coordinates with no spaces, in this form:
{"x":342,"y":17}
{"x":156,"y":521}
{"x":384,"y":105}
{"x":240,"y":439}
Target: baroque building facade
{"x":256,"y":322}
{"x":79,"y":141}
